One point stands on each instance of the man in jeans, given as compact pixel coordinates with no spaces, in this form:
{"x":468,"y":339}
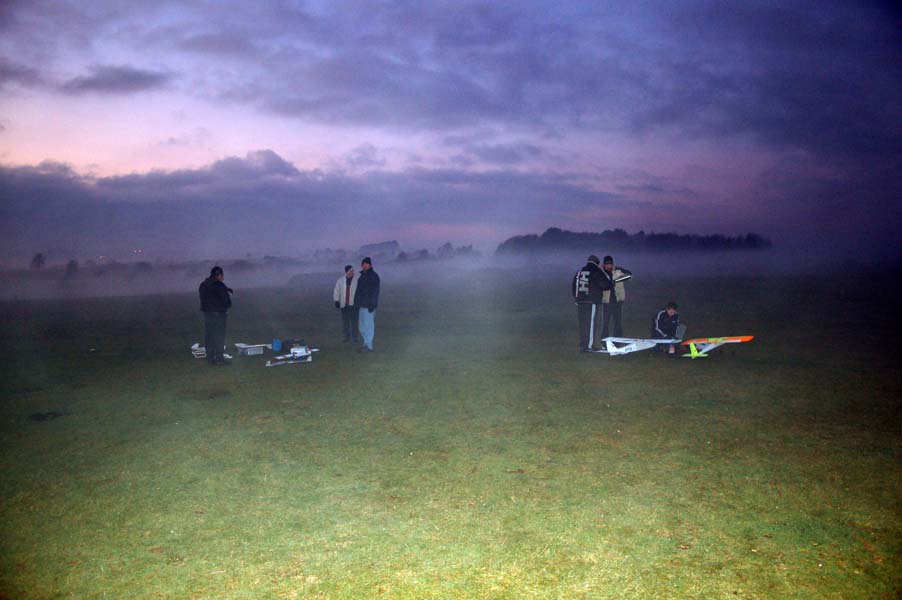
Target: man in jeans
{"x":215,"y":303}
{"x":366,"y":300}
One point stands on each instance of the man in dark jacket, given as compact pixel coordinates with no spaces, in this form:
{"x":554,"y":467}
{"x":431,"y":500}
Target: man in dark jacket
{"x":215,"y":303}
{"x":367,"y":299}
{"x":666,"y":325}
{"x":589,"y":285}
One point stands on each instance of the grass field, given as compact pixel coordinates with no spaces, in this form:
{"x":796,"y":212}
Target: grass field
{"x":475,"y":455}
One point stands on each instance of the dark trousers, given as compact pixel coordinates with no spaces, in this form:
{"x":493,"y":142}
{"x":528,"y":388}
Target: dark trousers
{"x":612,"y":309}
{"x":214,"y":335}
{"x":589,"y":316}
{"x":349,"y":322}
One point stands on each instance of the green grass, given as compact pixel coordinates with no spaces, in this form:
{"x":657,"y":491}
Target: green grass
{"x":475,"y":455}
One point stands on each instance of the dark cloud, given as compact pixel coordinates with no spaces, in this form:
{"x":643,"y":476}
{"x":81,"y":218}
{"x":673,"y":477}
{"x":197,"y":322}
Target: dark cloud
{"x":503,"y":154}
{"x":263,"y":203}
{"x":656,"y":188}
{"x":11,"y":73}
{"x":219,"y":44}
{"x":107,"y":79}
{"x":365,"y":156}
{"x":822,"y":78}
{"x":503,"y":87}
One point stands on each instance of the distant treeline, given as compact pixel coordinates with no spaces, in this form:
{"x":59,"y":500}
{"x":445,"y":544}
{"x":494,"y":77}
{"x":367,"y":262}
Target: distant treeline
{"x":557,"y":240}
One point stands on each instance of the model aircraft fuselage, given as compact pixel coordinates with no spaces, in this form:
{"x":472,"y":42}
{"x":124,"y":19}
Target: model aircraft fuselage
{"x":620,"y":345}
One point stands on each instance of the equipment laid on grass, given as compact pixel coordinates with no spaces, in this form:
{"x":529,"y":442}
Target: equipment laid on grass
{"x":199,"y":351}
{"x":297,"y":354}
{"x":619,"y":345}
{"x":251,"y":349}
{"x":699,"y":347}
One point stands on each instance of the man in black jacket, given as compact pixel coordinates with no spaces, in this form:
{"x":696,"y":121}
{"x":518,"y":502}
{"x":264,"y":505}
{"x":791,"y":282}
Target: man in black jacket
{"x":666,"y":325}
{"x":215,"y":303}
{"x":589,"y":285}
{"x":367,"y":299}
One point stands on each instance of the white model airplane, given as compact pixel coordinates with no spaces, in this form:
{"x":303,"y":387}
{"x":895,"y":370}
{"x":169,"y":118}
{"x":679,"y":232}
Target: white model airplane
{"x":620,"y":345}
{"x":698,"y":347}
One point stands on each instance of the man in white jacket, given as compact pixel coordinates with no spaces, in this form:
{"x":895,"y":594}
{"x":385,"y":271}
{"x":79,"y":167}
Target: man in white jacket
{"x":345,"y":289}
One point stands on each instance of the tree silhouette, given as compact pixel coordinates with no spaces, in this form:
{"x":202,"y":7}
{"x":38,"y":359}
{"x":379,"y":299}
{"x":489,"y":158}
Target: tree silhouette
{"x":555,"y":239}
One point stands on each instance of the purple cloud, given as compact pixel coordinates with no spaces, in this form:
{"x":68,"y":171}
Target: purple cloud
{"x":569,"y":114}
{"x":106,"y":79}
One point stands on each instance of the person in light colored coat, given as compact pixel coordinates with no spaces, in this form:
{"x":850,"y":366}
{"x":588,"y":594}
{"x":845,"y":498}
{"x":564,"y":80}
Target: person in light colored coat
{"x":613,"y":306}
{"x":343,"y":296}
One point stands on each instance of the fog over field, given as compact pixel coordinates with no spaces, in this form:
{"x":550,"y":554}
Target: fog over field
{"x":130,"y":279}
{"x":474,"y":451}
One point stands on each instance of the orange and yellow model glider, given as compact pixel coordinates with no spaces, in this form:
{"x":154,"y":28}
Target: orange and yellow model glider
{"x":699,"y":347}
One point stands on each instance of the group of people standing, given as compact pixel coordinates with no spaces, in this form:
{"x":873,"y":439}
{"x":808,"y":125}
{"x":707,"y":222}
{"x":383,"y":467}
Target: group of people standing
{"x":599,"y":294}
{"x":598,"y":291}
{"x":357,"y":296}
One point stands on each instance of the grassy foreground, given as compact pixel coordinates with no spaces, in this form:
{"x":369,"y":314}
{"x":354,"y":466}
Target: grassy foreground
{"x":475,"y":455}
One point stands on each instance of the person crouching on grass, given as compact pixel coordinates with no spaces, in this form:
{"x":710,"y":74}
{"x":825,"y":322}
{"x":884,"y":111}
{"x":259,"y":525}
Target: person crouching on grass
{"x":666,"y":325}
{"x":345,"y":290}
{"x":367,"y":299}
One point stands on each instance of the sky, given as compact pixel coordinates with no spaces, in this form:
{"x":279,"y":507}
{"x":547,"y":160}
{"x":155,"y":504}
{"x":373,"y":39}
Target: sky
{"x":219,"y":128}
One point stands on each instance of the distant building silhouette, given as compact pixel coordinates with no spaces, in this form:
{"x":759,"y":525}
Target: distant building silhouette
{"x":382,"y":251}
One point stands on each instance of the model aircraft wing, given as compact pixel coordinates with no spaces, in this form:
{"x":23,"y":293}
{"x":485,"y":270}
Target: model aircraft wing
{"x":624,"y":340}
{"x":733,"y":339}
{"x":699,"y":347}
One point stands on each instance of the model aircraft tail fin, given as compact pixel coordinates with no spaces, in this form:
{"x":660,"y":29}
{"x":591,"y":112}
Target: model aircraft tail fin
{"x":693,"y":352}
